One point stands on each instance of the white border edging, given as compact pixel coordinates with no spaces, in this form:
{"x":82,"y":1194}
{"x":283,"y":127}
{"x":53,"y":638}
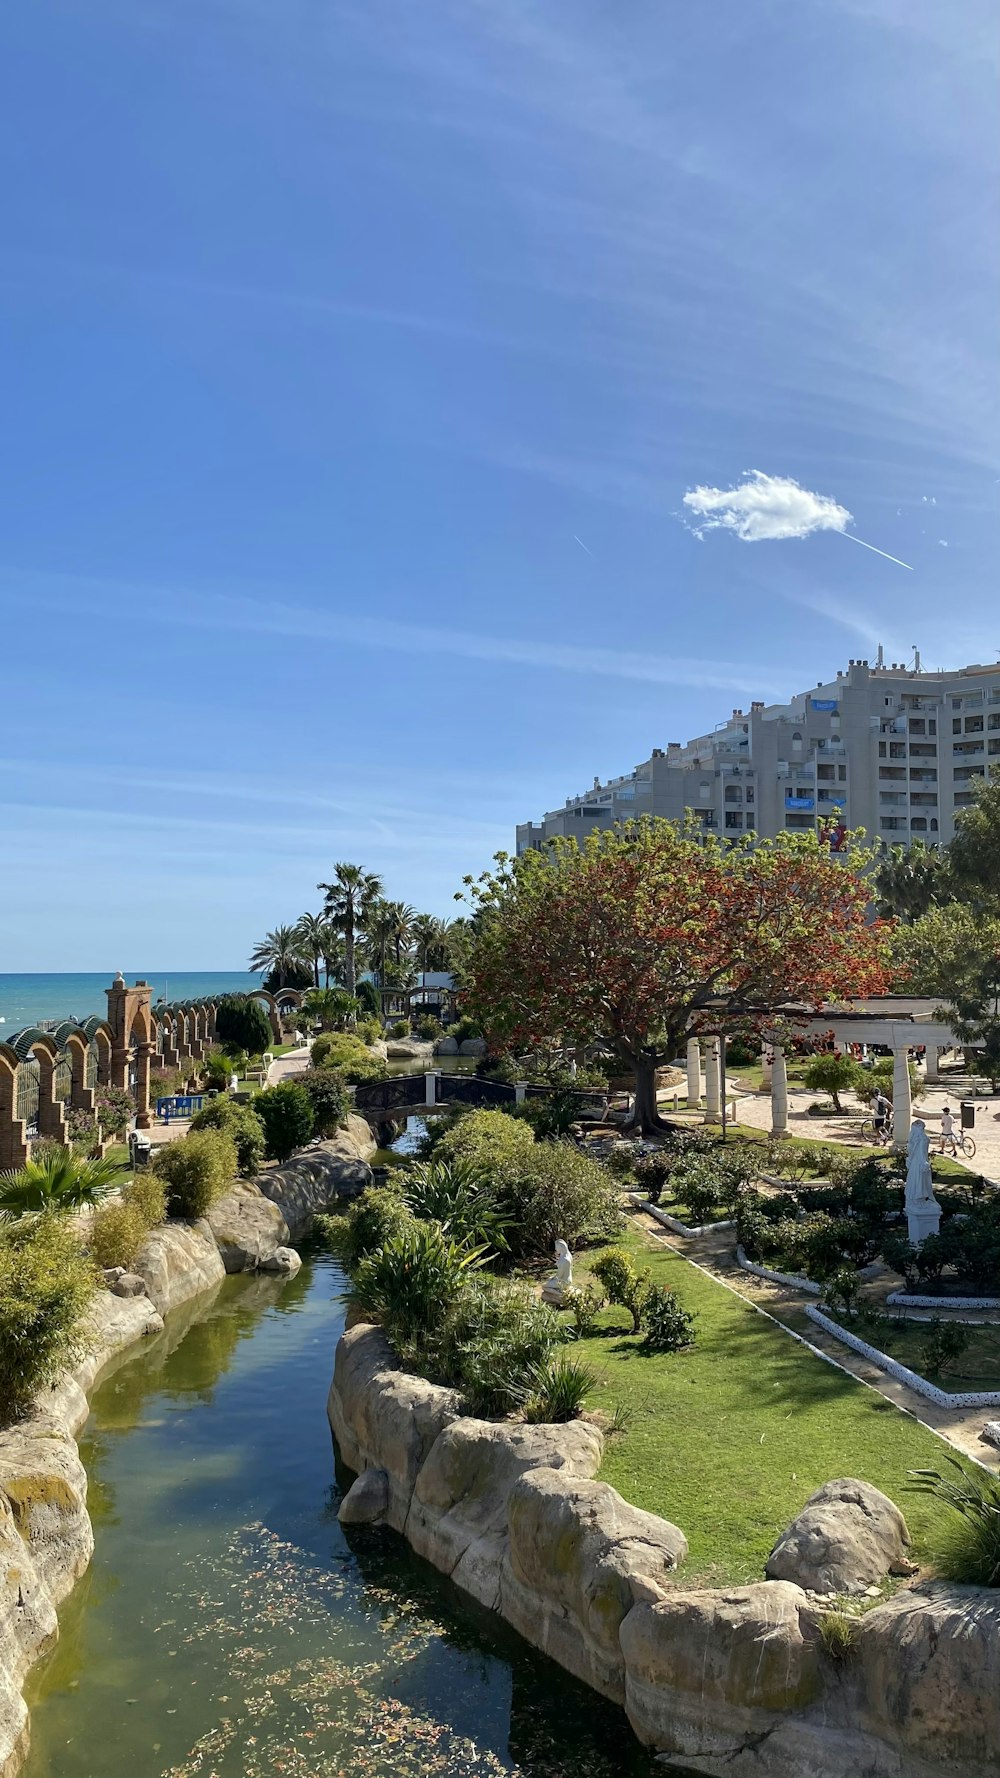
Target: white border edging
{"x":989,"y":1398}
{"x":794,"y":1280}
{"x":899,"y":1298}
{"x":681,"y":1228}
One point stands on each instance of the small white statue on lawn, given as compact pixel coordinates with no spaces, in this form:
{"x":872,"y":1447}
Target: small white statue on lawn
{"x":923,"y":1212}
{"x":554,"y":1289}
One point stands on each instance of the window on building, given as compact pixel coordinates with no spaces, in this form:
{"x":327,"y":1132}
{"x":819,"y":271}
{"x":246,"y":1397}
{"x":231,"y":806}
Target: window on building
{"x":842,"y":774}
{"x":881,"y":750}
{"x":897,"y":749}
{"x":973,"y":725}
{"x":917,"y":726}
{"x":749,"y":793}
{"x":956,"y":725}
{"x":799,"y":821}
{"x":734,"y":818}
{"x":934,"y":825}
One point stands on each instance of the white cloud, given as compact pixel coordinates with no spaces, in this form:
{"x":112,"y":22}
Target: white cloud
{"x":943,"y":541}
{"x":765,"y":508}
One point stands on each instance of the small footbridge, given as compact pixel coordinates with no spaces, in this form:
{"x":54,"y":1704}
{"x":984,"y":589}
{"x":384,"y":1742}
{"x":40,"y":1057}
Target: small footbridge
{"x":381,"y":1101}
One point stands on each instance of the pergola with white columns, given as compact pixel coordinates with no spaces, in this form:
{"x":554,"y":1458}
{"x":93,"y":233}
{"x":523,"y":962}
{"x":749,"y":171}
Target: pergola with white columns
{"x":892,"y":1022}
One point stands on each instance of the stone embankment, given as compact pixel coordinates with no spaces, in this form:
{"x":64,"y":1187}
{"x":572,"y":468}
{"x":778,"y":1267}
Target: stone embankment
{"x":738,"y":1680}
{"x":46,"y":1540}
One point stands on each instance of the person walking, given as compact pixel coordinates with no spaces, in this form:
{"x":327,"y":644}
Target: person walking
{"x":948,"y":1132}
{"x":882,"y":1111}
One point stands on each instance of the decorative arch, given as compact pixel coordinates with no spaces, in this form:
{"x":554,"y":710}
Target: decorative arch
{"x":13,"y":1129}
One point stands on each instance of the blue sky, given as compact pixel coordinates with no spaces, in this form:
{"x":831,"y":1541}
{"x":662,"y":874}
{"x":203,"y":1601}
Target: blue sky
{"x":357,"y":358}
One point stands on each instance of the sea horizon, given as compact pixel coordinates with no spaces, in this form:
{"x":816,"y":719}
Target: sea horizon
{"x":31,"y":998}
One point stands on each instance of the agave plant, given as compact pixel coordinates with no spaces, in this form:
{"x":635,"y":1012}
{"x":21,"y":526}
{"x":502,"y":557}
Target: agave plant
{"x":59,"y":1182}
{"x":461,"y":1198}
{"x":412,"y":1281}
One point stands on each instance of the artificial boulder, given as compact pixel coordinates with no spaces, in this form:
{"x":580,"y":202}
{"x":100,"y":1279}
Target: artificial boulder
{"x":179,"y":1260}
{"x":248,"y":1227}
{"x":284,"y":1260}
{"x":446,"y":1046}
{"x":847,"y":1537}
{"x":473,"y":1046}
{"x":580,"y":1557}
{"x":711,"y":1673}
{"x":929,"y":1661}
{"x":384,"y":1418}
{"x":366,"y":1499}
{"x":320,"y":1175}
{"x":129,"y":1284}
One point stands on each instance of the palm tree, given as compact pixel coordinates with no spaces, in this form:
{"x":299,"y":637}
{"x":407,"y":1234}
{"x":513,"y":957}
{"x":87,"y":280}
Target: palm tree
{"x":432,"y":938}
{"x":332,"y":952}
{"x":401,"y":917}
{"x":378,"y":931}
{"x":276,"y":953}
{"x":310,"y":932}
{"x":60,"y":1182}
{"x":348,"y":899}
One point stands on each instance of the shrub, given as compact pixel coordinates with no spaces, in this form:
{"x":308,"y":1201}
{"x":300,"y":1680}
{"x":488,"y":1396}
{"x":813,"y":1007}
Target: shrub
{"x":901,"y":1256}
{"x":741,"y":1054}
{"x":242,"y":1124}
{"x":113,"y":1107}
{"x":968,"y":1547}
{"x":584,"y":1304}
{"x":558,"y":1391}
{"x":493,"y":1341}
{"x":287,"y":1116}
{"x":147,"y":1193}
{"x":46,"y":1283}
{"x":459,"y":1197}
{"x":242,"y":1023}
{"x":834,"y":1074}
{"x":463,"y":1029}
{"x":843,"y":1290}
{"x":838,"y":1632}
{"x":623,"y":1284}
{"x":368,"y":1029}
{"x":558,"y":1192}
{"x":373,"y":1219}
{"x":490,"y":1141}
{"x":332,"y":1008}
{"x":945,"y":1344}
{"x":328,"y":1097}
{"x":348,"y":1055}
{"x":368,"y":998}
{"x":399,"y":1028}
{"x":413,"y":1280}
{"x":625,"y":1158}
{"x":81,"y":1126}
{"x":700,"y":1189}
{"x":116,"y":1235}
{"x":669,"y":1328}
{"x":196,"y":1171}
{"x":428,"y":1027}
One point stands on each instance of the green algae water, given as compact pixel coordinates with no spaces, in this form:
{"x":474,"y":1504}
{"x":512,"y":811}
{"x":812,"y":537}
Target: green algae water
{"x":229,"y":1627}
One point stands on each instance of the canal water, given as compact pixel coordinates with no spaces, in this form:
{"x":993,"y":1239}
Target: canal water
{"x":229,"y":1628}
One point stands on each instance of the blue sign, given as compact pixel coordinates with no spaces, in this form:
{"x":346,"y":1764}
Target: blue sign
{"x":800,"y":802}
{"x":827,"y":796}
{"x":824,"y":703}
{"x":179,"y":1105}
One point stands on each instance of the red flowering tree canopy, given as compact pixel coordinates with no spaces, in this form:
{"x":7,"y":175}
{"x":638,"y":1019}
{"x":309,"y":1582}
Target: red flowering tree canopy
{"x":650,"y":933}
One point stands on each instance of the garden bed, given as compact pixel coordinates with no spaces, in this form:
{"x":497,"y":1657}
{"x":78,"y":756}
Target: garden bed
{"x":906,"y":1340}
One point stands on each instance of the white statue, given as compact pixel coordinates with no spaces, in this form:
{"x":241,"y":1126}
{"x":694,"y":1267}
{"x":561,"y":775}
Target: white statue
{"x":923,"y":1212}
{"x":554,"y":1289}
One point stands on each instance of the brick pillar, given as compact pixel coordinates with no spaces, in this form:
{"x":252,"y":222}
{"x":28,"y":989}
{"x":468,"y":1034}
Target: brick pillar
{"x":13,"y":1142}
{"x":51,"y":1117}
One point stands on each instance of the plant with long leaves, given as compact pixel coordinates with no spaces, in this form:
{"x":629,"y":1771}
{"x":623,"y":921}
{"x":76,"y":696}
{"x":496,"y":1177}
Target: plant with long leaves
{"x":59,"y":1182}
{"x":968,"y":1547}
{"x":277,"y":953}
{"x":461,"y":1198}
{"x":309,"y":934}
{"x":412,"y":1282}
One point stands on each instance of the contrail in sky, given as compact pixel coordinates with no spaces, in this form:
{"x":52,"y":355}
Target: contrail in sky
{"x":580,"y":541}
{"x":877,"y":551}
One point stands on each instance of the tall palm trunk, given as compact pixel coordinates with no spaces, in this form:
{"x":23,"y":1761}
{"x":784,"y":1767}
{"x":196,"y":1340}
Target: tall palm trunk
{"x":350,"y":974}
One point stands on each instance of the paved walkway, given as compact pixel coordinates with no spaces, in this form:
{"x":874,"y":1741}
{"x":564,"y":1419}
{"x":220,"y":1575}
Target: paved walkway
{"x":283,"y":1067}
{"x":755,"y":1109}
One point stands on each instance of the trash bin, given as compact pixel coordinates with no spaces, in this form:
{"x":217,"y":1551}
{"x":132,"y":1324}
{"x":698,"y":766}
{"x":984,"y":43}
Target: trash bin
{"x":968,"y":1115}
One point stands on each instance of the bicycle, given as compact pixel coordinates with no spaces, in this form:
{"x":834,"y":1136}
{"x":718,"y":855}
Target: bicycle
{"x":877,"y":1136}
{"x":958,"y":1143}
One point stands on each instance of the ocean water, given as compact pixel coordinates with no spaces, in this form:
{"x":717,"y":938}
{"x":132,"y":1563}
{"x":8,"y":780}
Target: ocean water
{"x":28,"y":999}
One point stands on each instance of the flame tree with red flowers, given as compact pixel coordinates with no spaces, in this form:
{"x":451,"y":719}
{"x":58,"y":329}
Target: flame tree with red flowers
{"x":652,"y":933}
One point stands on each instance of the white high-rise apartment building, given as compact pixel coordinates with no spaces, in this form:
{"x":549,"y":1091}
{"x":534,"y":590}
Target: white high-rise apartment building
{"x":893,"y":749}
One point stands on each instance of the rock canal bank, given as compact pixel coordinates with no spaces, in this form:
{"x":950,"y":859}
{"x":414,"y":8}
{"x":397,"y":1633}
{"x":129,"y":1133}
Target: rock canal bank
{"x":228,"y":1624}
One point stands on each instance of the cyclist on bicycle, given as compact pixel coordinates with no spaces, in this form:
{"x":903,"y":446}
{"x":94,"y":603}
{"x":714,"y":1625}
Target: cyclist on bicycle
{"x":948,"y":1132}
{"x":881,"y":1112}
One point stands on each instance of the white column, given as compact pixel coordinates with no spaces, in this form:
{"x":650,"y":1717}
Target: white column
{"x":694,"y":1074}
{"x":430,"y":1089}
{"x":902,"y":1109}
{"x":779,"y":1094}
{"x":767,"y":1051}
{"x":713,"y":1082}
{"x":520,"y":1091}
{"x":932,"y":1059}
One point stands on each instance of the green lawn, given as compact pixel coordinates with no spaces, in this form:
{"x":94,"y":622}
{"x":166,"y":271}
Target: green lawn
{"x":941,"y":1166}
{"x":977,"y":1369}
{"x":729,"y":1439}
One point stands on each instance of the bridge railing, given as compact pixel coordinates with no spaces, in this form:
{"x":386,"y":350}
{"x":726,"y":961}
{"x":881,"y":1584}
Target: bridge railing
{"x":405,"y":1092}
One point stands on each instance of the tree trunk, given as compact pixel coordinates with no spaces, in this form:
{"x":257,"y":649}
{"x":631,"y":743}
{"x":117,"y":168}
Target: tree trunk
{"x":315,"y":970}
{"x":646,"y":1118}
{"x":350,"y":982}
